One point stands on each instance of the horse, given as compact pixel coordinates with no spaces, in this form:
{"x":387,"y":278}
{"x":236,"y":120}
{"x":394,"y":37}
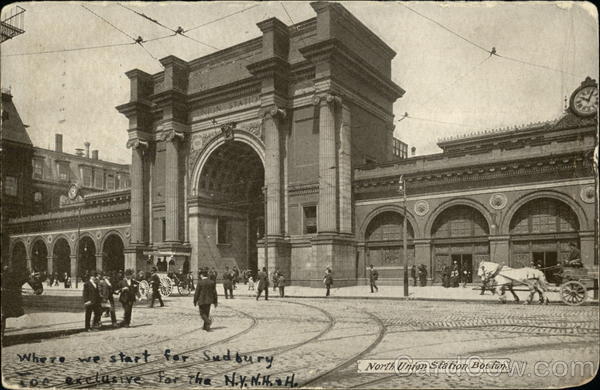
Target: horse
{"x":505,"y":278}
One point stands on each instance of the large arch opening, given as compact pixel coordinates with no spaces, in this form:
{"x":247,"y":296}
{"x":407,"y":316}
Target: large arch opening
{"x":113,"y":253}
{"x":62,"y":257}
{"x":459,"y":234}
{"x":384,"y":244}
{"x":540,"y":233}
{"x":39,"y":256}
{"x":232,"y":204}
{"x":87,"y":256}
{"x":19,"y":256}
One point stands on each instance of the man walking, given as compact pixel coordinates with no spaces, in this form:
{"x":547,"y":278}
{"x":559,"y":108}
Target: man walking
{"x":263,"y":284}
{"x":228,"y":283}
{"x":281,"y":284}
{"x":108,"y":302}
{"x":373,"y":276}
{"x":91,"y":299}
{"x":328,"y":280}
{"x":129,"y":289}
{"x":413,"y":275}
{"x":155,"y":282}
{"x":206,"y":295}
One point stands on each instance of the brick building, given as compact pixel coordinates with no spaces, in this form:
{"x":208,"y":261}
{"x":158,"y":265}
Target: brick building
{"x":35,"y":182}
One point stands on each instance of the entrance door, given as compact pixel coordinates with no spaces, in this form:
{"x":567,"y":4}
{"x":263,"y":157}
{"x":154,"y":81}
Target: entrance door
{"x":465,"y":263}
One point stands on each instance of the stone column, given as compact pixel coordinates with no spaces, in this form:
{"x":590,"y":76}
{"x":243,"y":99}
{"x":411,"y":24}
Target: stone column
{"x":499,"y":249}
{"x":273,"y":119}
{"x":423,"y":256}
{"x":172,"y":139}
{"x":328,"y":210}
{"x":50,"y":262}
{"x":586,"y":242}
{"x":28,"y":262}
{"x":99,"y":262}
{"x":137,"y":191}
{"x":345,"y":171}
{"x":74,"y":268}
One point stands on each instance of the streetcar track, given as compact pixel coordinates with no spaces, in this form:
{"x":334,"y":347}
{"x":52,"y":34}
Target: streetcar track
{"x":287,"y":348}
{"x":227,"y":339}
{"x":381,"y":334}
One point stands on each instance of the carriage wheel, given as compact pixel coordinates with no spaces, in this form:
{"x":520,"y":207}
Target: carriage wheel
{"x":143,"y":289}
{"x":573,"y":293}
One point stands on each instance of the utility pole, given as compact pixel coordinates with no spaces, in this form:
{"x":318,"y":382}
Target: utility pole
{"x":78,"y":248}
{"x":402,"y":189}
{"x":264,"y":189}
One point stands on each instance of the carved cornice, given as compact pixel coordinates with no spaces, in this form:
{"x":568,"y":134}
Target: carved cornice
{"x":171,"y":136}
{"x":135,"y":107}
{"x":332,"y":50}
{"x":329,"y":98}
{"x":425,"y":180}
{"x":137,"y":143}
{"x":274,"y":113}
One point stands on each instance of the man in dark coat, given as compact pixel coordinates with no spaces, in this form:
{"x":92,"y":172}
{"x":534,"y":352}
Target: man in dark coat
{"x":454,"y":275}
{"x":228,"y":283}
{"x":263,"y":284}
{"x":413,"y":275}
{"x":373,"y":276}
{"x":155,"y":283}
{"x":328,"y":280}
{"x":206,"y":295}
{"x":446,"y":276}
{"x":106,"y":293}
{"x":423,"y":275}
{"x":129,"y":289}
{"x":91,"y":301}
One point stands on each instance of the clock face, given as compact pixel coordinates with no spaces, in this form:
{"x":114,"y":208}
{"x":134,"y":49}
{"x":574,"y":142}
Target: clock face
{"x":585,"y":101}
{"x":73,"y":192}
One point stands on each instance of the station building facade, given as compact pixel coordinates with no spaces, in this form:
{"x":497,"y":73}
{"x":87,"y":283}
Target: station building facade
{"x":279,"y":153}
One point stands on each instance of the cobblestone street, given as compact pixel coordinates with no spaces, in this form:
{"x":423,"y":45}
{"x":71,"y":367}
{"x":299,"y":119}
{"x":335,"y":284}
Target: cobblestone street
{"x":308,"y":342}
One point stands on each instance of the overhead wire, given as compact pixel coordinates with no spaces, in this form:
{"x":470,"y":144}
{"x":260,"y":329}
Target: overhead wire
{"x":109,"y":23}
{"x":178,"y":31}
{"x":459,"y":78}
{"x":221,"y":18}
{"x":139,"y":40}
{"x":69,"y":50}
{"x":491,"y":52}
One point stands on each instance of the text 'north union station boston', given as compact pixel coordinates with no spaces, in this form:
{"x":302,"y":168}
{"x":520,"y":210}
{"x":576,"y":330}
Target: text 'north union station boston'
{"x":286,"y":142}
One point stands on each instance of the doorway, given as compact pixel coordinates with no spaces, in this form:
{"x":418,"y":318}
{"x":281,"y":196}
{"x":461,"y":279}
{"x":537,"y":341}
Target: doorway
{"x":465,"y":262}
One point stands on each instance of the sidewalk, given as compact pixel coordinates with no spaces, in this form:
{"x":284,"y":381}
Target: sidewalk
{"x":470,"y":293}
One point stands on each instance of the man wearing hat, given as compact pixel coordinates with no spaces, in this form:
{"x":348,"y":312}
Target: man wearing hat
{"x":206,"y":295}
{"x":129,"y":289}
{"x":373,"y":276}
{"x":155,"y":282}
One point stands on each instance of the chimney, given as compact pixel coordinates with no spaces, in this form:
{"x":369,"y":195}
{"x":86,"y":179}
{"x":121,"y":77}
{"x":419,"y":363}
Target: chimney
{"x":413,"y":151}
{"x":87,"y":149}
{"x":94,"y":154}
{"x":58,"y":143}
{"x":79,"y":152}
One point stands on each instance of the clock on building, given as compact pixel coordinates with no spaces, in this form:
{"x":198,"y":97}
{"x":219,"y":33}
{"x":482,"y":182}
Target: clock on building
{"x":73,"y":191}
{"x":584,"y":100}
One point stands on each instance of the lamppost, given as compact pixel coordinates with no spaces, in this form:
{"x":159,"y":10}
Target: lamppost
{"x":266,"y":236}
{"x":402,"y":190}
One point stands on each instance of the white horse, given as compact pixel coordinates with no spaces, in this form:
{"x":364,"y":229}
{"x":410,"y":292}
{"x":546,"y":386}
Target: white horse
{"x":505,"y":278}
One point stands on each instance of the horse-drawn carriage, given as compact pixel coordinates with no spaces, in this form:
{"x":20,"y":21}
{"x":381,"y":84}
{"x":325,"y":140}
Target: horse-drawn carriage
{"x":167,"y":285}
{"x":574,"y":282}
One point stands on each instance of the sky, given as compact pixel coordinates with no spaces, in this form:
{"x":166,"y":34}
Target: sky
{"x":453,"y":86}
